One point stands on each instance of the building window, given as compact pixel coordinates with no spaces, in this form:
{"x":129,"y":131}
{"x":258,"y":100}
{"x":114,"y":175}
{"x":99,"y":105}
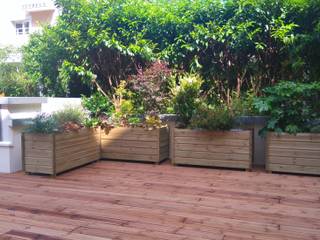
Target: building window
{"x":22,"y":28}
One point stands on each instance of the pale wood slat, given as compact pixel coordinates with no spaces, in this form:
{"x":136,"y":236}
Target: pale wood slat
{"x":293,"y":153}
{"x":56,"y":153}
{"x":215,"y":149}
{"x":135,"y":144}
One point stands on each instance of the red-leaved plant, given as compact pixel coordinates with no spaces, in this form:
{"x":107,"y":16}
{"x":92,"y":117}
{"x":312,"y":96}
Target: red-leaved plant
{"x":153,"y":87}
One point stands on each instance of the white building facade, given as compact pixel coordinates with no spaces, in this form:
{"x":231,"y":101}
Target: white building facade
{"x":20,"y":18}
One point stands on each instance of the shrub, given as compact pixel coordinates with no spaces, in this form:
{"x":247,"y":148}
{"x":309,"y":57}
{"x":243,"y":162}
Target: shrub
{"x":151,"y":122}
{"x":212,"y":118}
{"x":43,"y":123}
{"x":153,"y":87}
{"x":98,"y":105}
{"x":127,"y":109}
{"x":92,"y":122}
{"x":291,"y":106}
{"x":232,"y":44}
{"x":13,"y":79}
{"x":187,"y":97}
{"x":243,"y":105}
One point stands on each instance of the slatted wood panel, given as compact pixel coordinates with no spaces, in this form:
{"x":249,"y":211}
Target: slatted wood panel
{"x":56,"y":153}
{"x":293,"y":153}
{"x":38,"y":153}
{"x":135,"y":144}
{"x":230,"y":149}
{"x":132,"y":201}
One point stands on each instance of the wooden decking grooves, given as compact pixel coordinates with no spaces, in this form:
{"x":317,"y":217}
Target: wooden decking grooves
{"x":133,"y":201}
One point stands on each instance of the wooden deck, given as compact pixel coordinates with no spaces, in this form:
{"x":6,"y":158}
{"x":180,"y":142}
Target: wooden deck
{"x":132,"y":201}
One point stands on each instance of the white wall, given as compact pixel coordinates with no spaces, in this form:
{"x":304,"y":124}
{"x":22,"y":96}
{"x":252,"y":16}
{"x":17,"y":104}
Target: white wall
{"x":55,"y":104}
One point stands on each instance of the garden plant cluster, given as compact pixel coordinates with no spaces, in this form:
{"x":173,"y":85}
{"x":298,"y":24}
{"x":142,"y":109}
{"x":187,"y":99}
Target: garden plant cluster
{"x":209,"y":61}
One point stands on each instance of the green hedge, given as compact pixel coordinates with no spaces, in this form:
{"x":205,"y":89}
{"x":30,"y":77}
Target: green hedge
{"x":234,"y":45}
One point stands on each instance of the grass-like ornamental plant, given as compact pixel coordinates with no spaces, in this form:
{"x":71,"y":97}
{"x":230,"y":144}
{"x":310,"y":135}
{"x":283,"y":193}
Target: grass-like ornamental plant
{"x":43,"y":123}
{"x":212,"y":118}
{"x":68,"y":119}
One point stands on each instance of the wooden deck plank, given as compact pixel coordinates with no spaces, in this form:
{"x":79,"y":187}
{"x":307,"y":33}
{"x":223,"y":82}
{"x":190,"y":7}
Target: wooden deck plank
{"x":118,"y":200}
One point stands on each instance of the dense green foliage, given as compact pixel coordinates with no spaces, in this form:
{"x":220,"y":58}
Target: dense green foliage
{"x":13,"y":80}
{"x":128,"y":108}
{"x":227,"y":52}
{"x":234,"y":45}
{"x":135,"y":102}
{"x":196,"y":109}
{"x":292,"y":107}
{"x":97,"y":105}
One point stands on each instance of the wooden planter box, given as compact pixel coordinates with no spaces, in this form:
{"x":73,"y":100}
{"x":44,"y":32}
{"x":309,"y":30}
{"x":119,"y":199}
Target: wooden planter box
{"x":229,"y":149}
{"x":293,"y":153}
{"x":58,"y":152}
{"x":135,"y":144}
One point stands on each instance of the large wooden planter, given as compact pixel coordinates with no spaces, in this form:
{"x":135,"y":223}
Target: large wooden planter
{"x":58,"y":152}
{"x":229,"y":149}
{"x":293,"y":153}
{"x":135,"y":144}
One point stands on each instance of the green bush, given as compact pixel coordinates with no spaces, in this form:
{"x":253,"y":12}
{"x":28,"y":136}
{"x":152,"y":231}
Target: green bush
{"x":43,"y":123}
{"x":92,"y":122}
{"x":128,"y":110}
{"x":187,"y":97}
{"x":13,"y":79}
{"x":291,"y":106}
{"x":233,"y":45}
{"x":212,"y":118}
{"x":97,"y":105}
{"x":243,"y":105}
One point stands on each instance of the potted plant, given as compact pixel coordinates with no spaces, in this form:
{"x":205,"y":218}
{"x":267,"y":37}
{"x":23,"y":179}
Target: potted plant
{"x":293,"y":128}
{"x":132,"y":129}
{"x":205,"y":136}
{"x":55,"y":143}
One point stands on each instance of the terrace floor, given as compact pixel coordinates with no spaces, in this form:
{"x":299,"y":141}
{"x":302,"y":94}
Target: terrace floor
{"x":134,"y":201}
